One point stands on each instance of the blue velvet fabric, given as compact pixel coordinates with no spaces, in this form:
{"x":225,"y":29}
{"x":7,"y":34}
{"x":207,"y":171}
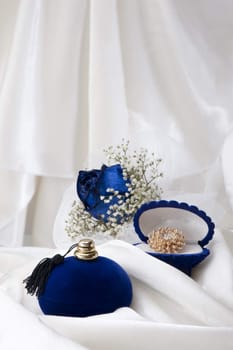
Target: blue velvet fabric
{"x":83,"y":288}
{"x":93,"y":184}
{"x":183,"y":262}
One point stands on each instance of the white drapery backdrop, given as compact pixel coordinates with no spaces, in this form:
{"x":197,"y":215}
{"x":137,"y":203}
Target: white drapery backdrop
{"x":77,"y":75}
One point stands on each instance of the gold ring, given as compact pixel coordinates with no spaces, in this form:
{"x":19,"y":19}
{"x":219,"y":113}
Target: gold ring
{"x":166,"y":240}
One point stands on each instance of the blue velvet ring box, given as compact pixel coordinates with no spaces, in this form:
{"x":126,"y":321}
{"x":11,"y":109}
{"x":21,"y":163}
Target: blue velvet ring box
{"x":197,"y":227}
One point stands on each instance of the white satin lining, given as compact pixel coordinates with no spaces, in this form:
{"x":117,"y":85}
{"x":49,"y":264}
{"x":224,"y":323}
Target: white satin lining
{"x":189,"y":248}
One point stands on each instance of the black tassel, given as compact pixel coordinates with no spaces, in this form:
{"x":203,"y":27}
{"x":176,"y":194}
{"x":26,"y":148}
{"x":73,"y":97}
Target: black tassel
{"x":36,"y":282}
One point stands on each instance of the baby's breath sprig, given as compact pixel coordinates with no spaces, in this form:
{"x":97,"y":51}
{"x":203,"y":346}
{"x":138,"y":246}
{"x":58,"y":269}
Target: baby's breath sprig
{"x":141,"y":171}
{"x":80,"y":222}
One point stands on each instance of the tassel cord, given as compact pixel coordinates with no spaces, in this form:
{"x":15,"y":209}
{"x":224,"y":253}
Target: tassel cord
{"x":36,"y":282}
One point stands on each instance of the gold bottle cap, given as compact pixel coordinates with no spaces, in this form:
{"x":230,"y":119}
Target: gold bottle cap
{"x":86,"y":250}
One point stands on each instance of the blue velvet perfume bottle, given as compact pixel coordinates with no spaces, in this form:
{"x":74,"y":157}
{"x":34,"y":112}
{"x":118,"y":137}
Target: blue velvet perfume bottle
{"x":85,"y":284}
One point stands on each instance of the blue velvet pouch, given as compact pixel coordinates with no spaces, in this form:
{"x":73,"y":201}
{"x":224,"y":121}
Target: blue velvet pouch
{"x":197,"y":227}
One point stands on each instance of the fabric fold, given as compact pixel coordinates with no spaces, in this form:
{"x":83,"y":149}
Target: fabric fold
{"x":168,"y":309}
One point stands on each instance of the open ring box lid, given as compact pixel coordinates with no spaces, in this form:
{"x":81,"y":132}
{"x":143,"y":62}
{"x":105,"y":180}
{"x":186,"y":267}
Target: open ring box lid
{"x":197,"y":228}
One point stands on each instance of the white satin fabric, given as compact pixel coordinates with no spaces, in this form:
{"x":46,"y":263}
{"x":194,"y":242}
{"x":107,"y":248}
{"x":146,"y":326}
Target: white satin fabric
{"x":169,"y":310}
{"x":78,"y":75}
{"x":75,"y":77}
